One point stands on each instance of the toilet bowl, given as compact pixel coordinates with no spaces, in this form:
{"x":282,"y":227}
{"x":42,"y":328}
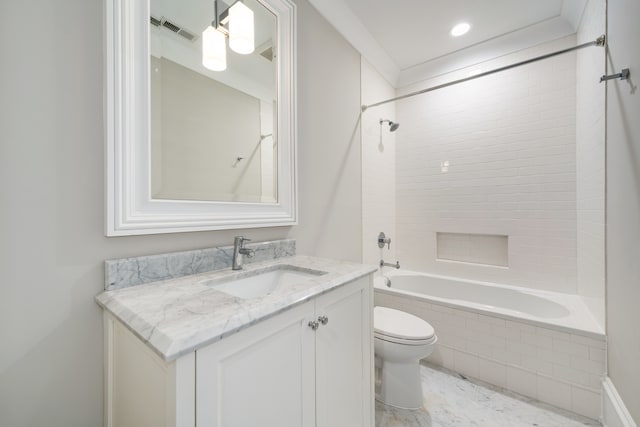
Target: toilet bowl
{"x":400,"y":341}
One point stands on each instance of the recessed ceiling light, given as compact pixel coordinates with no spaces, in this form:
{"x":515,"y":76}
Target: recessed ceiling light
{"x":460,"y":29}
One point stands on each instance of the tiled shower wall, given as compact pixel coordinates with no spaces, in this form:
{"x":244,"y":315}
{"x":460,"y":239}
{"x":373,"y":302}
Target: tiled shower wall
{"x":493,"y":156}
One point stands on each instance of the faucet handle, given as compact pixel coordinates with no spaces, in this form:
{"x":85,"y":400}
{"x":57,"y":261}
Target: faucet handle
{"x":248,"y":252}
{"x":384,"y":240}
{"x":239,"y":240}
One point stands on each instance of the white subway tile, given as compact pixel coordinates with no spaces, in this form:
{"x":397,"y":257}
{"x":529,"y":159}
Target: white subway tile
{"x":448,"y":357}
{"x":545,"y":367}
{"x":596,"y":354}
{"x":492,"y":372}
{"x":500,"y":331}
{"x":521,"y":381}
{"x":529,"y":362}
{"x":595,"y":382}
{"x":529,"y":338}
{"x":586,"y":365}
{"x":586,"y":402}
{"x":512,"y":334}
{"x":571,"y":375}
{"x":544,"y":341}
{"x":466,"y":364}
{"x":454,"y":341}
{"x":591,"y":342}
{"x":571,"y":348}
{"x":507,"y":356}
{"x":475,"y":326}
{"x":454,"y":320}
{"x":523,"y":348}
{"x":481,"y":348}
{"x":554,"y":392}
{"x":556,"y":358}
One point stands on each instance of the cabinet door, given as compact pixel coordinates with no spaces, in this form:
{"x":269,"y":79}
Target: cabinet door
{"x":262,"y":376}
{"x":344,"y":357}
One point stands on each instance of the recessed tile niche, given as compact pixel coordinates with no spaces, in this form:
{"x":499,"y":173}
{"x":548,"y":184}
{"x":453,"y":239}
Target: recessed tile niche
{"x":484,"y":249}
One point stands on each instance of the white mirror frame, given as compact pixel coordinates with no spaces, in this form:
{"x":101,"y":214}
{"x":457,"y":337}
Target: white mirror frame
{"x":130,"y":209}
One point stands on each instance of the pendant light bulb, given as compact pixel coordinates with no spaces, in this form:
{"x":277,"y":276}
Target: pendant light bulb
{"x":214,"y":51}
{"x":241,"y":28}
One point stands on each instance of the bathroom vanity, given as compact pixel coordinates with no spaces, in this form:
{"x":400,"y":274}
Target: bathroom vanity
{"x":286,"y":342}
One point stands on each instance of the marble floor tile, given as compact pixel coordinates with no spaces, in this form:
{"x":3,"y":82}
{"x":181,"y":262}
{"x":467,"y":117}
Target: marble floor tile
{"x":453,"y":400}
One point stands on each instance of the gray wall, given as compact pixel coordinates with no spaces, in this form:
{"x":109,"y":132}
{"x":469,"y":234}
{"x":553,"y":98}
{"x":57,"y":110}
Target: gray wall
{"x":51,"y":215}
{"x":623,"y":205}
{"x":204,"y":126}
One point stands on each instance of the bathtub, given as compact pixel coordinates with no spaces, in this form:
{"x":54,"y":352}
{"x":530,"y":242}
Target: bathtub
{"x":544,"y":345}
{"x":562,"y":312}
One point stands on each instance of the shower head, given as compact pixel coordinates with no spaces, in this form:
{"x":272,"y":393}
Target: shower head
{"x":392,"y":126}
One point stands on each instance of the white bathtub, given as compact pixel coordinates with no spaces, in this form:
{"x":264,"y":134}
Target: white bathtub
{"x":553,"y":310}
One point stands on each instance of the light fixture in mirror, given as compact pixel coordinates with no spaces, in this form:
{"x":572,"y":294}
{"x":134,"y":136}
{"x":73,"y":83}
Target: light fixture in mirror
{"x":241,"y":28}
{"x":192,"y":149}
{"x":214,"y":52}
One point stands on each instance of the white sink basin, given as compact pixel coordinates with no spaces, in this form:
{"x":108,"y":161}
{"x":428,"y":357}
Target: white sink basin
{"x":262,"y":282}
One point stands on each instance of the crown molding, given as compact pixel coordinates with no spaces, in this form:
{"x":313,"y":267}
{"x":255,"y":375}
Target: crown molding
{"x":543,"y":32}
{"x":572,"y":11}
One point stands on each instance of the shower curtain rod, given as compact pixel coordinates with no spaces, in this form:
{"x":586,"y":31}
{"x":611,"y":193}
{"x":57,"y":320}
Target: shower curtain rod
{"x":600,"y":41}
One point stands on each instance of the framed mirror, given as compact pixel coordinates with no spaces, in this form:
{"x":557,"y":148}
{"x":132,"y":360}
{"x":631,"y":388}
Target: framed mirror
{"x":200,"y":135}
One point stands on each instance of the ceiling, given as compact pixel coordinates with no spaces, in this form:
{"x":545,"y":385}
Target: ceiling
{"x":405,"y":39}
{"x":415,"y":31}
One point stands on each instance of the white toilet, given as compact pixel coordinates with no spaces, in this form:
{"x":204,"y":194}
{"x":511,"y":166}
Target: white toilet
{"x":400,"y":341}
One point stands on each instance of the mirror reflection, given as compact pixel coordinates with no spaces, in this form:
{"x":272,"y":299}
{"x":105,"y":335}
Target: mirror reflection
{"x":213,"y":133}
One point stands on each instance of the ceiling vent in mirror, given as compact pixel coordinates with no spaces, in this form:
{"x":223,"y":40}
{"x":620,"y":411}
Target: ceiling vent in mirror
{"x":173,"y":27}
{"x":266,"y":50}
{"x":155,"y":21}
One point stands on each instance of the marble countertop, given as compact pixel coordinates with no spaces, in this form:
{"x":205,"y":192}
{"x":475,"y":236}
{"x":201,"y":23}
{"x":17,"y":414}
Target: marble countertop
{"x":175,"y":317}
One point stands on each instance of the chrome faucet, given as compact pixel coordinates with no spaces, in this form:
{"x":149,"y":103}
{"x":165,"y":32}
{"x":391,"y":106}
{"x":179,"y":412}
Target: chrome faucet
{"x":384,"y":240}
{"x":388,"y":264}
{"x":239,"y":250}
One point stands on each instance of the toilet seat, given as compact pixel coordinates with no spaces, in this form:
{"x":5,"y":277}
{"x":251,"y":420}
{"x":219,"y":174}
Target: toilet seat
{"x":401,"y":328}
{"x":396,"y":340}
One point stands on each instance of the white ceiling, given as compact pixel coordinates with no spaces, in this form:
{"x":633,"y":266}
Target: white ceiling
{"x":415,"y":31}
{"x":408,"y":40}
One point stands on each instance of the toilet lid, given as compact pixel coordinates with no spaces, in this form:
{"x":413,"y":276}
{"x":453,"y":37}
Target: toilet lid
{"x":396,"y":323}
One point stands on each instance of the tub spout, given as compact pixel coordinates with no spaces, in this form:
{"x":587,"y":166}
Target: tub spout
{"x":388,"y":264}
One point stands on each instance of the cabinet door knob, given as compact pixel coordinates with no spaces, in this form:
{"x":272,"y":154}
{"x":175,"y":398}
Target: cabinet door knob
{"x":313,"y":325}
{"x":323,"y":319}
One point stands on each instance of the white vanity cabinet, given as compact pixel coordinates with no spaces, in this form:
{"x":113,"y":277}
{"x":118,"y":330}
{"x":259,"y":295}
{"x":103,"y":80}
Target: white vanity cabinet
{"x":309,"y":366}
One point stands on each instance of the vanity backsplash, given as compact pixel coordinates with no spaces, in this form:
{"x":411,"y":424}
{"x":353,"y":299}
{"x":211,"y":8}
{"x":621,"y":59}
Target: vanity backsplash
{"x":126,"y":272}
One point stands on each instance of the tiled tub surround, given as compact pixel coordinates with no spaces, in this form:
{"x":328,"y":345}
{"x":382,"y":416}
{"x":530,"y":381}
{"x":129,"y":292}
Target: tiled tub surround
{"x":121,"y":273}
{"x":495,"y":156}
{"x":178,"y":316}
{"x":555,"y":362}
